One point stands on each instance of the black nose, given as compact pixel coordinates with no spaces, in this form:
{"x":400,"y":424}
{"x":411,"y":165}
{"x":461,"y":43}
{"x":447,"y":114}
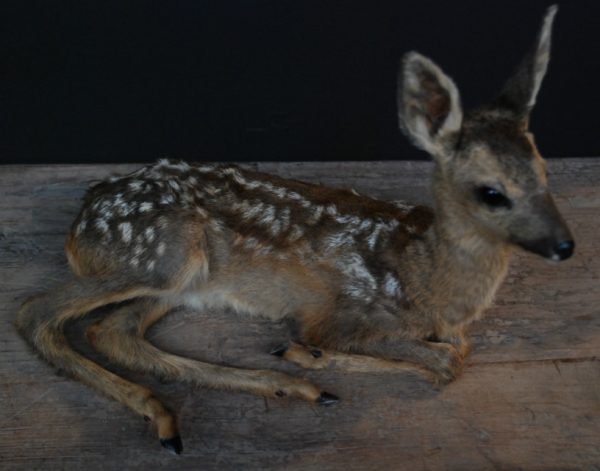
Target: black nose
{"x":565,"y":249}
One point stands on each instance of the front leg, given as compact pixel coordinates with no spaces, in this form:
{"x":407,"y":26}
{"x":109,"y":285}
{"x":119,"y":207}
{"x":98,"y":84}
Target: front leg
{"x":439,"y":363}
{"x":443,"y":359}
{"x":376,"y":342}
{"x":318,"y":359}
{"x":454,"y":335}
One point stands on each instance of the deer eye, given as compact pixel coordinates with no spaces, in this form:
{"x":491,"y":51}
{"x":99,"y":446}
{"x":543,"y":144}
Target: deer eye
{"x":492,"y":197}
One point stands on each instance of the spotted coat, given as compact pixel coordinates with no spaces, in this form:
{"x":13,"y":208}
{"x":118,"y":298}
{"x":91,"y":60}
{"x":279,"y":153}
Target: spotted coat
{"x":132,"y":219}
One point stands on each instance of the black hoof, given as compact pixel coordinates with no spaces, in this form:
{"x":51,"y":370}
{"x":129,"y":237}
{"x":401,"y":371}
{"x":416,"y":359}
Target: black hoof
{"x":279,"y":351}
{"x":326,"y":399}
{"x":174,"y":444}
{"x":316,"y":353}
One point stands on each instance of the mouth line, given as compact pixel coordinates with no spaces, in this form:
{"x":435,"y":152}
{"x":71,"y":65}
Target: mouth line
{"x":542,"y":249}
{"x":554,"y":260}
{"x":537,"y":249}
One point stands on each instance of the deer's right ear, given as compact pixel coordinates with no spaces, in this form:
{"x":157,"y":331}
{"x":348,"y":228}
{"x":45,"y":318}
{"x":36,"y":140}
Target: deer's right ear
{"x":428,"y":105}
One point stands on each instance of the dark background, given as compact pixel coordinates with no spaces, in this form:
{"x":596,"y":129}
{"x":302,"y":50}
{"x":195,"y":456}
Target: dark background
{"x":98,"y":81}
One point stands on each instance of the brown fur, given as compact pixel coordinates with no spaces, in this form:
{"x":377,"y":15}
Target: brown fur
{"x":369,"y":284}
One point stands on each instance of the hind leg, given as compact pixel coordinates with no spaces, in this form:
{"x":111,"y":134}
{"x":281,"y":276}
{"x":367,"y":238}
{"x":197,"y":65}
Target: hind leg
{"x":41,"y":320}
{"x":120,"y":337}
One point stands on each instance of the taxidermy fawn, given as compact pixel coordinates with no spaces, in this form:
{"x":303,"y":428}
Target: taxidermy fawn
{"x":369,"y":284}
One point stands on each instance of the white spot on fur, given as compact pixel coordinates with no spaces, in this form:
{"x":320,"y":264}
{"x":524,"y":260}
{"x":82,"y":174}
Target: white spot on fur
{"x":134,"y":262}
{"x":359,"y":283}
{"x":240,"y":207}
{"x":295,"y":196}
{"x":173,"y":184}
{"x":380,"y":229}
{"x":348,"y":220}
{"x":338,"y":239}
{"x":275,"y":227}
{"x":210,"y":189}
{"x":106,"y":213}
{"x":296,"y":233}
{"x":102,"y":225}
{"x":81,"y":227}
{"x":105,"y":209}
{"x":145,"y":207}
{"x":268,"y":215}
{"x":239,"y":179}
{"x":267,"y":186}
{"x":374,"y":236}
{"x":205,"y":168}
{"x":252,"y":211}
{"x":252,"y":185}
{"x":126,"y":230}
{"x":181,"y":166}
{"x":167,"y":199}
{"x":149,"y":234}
{"x":284,"y":217}
{"x":216,"y":226}
{"x":391,"y":286}
{"x":124,"y":209}
{"x":250,"y":243}
{"x":135,"y":185}
{"x":331,"y":210}
{"x":160,"y":250}
{"x":264,"y":250}
{"x":315,"y":215}
{"x":232,"y":171}
{"x":365,"y":224}
{"x":150,"y":265}
{"x":279,"y":192}
{"x":276,"y":190}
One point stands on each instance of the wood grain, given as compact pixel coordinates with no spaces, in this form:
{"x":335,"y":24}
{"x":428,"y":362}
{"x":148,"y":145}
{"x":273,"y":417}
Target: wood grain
{"x":528,"y":399}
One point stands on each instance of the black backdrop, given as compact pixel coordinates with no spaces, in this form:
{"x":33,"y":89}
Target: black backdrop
{"x":124,"y":81}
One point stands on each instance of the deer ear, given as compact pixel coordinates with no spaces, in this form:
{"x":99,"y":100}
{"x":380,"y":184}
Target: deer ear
{"x":520,"y":91}
{"x":428,"y":105}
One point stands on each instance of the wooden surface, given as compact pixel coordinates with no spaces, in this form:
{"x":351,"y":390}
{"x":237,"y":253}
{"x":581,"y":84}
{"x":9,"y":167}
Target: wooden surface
{"x":528,"y":399}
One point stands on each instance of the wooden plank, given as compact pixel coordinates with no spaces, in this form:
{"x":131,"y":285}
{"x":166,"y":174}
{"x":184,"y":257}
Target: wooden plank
{"x":528,"y":399}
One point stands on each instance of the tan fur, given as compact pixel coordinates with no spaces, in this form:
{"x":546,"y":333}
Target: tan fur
{"x":369,"y":284}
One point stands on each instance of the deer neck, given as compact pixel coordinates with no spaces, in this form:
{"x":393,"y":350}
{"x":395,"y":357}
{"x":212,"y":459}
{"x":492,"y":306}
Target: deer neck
{"x":468,"y":264}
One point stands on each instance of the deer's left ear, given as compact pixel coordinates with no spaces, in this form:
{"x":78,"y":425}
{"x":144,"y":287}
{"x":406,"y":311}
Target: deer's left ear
{"x":520,"y":91}
{"x":428,"y":105}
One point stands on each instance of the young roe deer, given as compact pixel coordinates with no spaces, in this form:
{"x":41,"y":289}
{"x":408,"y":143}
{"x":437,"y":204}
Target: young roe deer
{"x":370,"y":285}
